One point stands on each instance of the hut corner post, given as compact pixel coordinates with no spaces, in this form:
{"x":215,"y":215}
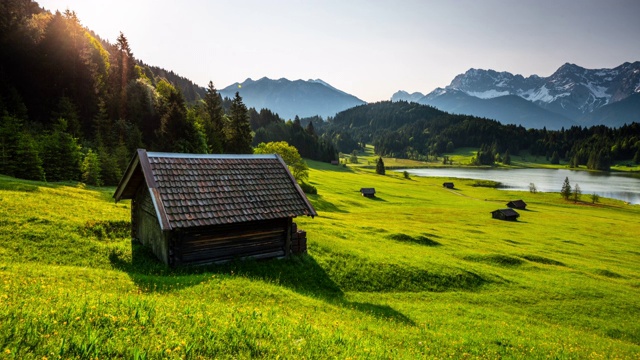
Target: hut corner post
{"x":287,"y":241}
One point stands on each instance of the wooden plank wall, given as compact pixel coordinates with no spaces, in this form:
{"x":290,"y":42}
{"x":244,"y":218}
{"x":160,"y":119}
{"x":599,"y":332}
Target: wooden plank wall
{"x":220,"y":243}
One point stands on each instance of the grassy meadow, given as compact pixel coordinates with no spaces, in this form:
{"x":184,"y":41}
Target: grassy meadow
{"x":418,"y":272}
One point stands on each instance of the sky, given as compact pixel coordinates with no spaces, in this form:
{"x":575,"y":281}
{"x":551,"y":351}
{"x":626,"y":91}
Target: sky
{"x":370,"y":49}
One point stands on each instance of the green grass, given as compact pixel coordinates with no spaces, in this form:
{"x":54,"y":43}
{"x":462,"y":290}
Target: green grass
{"x":419,"y":271}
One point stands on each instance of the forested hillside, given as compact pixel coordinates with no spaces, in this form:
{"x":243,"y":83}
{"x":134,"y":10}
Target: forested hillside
{"x":414,"y":131}
{"x":75,"y":107}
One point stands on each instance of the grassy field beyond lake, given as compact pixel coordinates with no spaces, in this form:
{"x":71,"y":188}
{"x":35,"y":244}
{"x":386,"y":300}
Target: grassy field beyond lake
{"x":419,"y":271}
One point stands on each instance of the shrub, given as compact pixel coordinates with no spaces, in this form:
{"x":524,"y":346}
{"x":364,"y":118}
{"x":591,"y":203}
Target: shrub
{"x":308,"y":188}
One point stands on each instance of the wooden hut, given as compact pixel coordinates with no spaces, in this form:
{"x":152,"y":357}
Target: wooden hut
{"x":448,"y":185}
{"x":505,"y":214}
{"x":517,"y":204}
{"x":368,"y":192}
{"x":199,"y":209}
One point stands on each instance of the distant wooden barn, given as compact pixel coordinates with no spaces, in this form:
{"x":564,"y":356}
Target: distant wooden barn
{"x":368,"y":192}
{"x":505,"y":214}
{"x":517,"y":204}
{"x":198,"y":209}
{"x":448,"y":185}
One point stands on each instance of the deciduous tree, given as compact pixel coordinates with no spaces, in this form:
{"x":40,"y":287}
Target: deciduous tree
{"x":289,"y":154}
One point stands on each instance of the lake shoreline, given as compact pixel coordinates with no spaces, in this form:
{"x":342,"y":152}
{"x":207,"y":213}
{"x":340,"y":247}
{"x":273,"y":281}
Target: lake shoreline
{"x":616,"y":185}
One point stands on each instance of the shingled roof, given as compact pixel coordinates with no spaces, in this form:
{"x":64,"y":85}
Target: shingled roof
{"x":191,"y":190}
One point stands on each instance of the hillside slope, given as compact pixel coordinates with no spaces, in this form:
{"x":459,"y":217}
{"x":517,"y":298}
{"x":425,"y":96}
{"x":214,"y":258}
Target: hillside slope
{"x":420,"y":271}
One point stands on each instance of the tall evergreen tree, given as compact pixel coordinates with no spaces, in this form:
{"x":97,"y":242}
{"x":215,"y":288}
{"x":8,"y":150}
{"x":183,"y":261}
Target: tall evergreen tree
{"x":213,"y":122}
{"x":123,"y":72}
{"x":60,"y":154}
{"x":18,"y":154}
{"x":178,"y":132}
{"x":565,"y":191}
{"x":238,"y":128}
{"x":555,"y":158}
{"x":380,"y":166}
{"x":310,"y":130}
{"x":576,"y":193}
{"x":30,"y":164}
{"x":506,"y":158}
{"x":10,"y":129}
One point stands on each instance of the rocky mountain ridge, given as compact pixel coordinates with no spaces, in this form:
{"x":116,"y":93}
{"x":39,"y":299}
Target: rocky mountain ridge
{"x":572,"y":92}
{"x":289,"y":98}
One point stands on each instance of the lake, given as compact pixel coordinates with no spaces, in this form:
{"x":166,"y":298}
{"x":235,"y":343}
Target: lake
{"x":613,"y":185}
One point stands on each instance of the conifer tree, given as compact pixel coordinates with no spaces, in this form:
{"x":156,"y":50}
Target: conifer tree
{"x":213,"y":124}
{"x":576,"y":193}
{"x":566,"y":189}
{"x":555,"y":158}
{"x":238,"y":128}
{"x":310,"y":130}
{"x":380,"y":166}
{"x":28,"y":160}
{"x":506,"y":158}
{"x":60,"y":154}
{"x":91,"y":169}
{"x":178,"y":130}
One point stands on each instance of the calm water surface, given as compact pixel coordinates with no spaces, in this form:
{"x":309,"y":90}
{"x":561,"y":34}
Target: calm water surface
{"x":619,"y":186}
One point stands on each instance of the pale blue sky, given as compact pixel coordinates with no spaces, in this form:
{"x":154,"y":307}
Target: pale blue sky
{"x":369,"y":49}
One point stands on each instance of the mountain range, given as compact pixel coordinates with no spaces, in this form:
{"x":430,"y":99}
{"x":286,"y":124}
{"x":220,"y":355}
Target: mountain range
{"x":572,"y":95}
{"x":290,"y":98}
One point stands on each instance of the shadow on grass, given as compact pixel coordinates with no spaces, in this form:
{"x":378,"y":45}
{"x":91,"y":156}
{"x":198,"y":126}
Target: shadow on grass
{"x":376,"y":198}
{"x":320,"y":204}
{"x":300,"y":273}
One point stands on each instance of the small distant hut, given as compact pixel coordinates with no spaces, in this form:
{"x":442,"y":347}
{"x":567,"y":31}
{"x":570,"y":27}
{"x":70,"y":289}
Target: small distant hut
{"x":368,"y":192}
{"x":201,"y":209}
{"x":335,"y":162}
{"x":505,"y":214}
{"x":448,"y":185}
{"x":517,"y":204}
